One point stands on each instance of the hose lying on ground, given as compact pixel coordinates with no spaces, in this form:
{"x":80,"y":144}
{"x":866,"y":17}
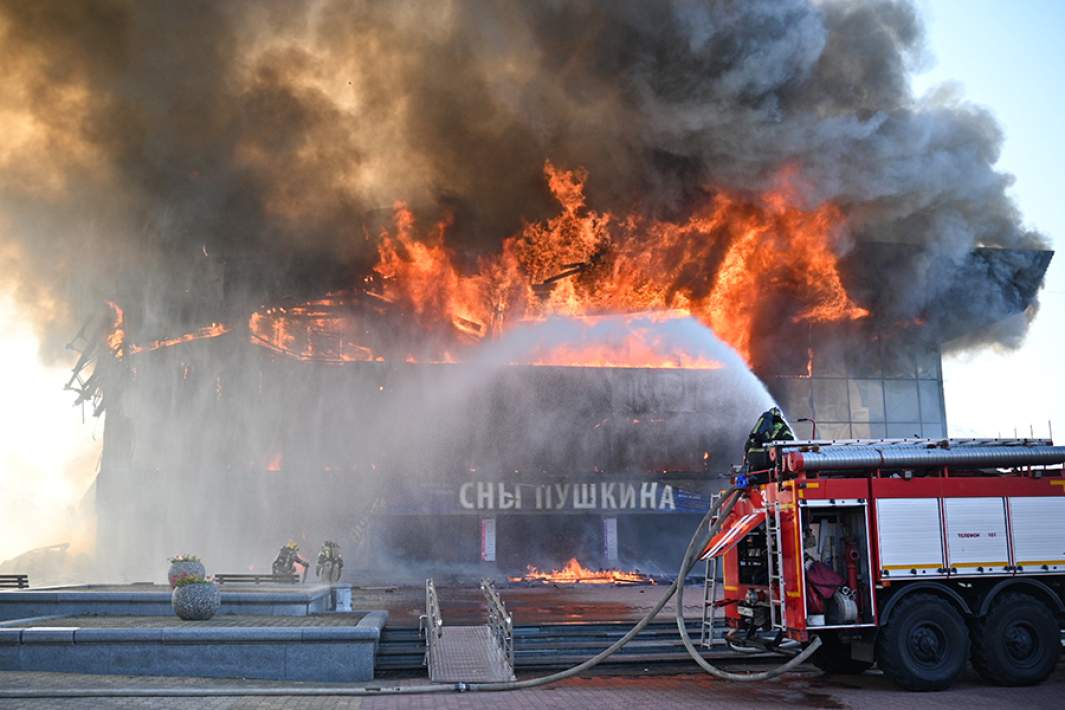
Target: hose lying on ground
{"x":717,"y":513}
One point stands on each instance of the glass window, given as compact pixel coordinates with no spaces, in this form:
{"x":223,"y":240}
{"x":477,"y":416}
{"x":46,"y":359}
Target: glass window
{"x":901,"y":399}
{"x":867,"y":430}
{"x":867,"y":401}
{"x":830,"y":400}
{"x":833,"y":430}
{"x":930,"y":404}
{"x":829,"y":360}
{"x":803,"y":430}
{"x":794,"y":397}
{"x":928,"y":362}
{"x":934,"y":431}
{"x":904,"y":430}
{"x":898,"y":361}
{"x":863,"y":358}
{"x":793,"y":361}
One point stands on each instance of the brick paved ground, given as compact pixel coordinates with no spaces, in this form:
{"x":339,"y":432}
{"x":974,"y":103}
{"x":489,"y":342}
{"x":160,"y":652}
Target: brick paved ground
{"x":625,"y":692}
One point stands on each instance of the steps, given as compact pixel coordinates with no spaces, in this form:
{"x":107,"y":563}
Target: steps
{"x":559,"y":645}
{"x":554,"y":645}
{"x":400,"y":649}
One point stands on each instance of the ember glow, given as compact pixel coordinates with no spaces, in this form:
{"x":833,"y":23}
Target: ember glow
{"x":208,"y":331}
{"x":573,"y":572}
{"x":116,"y":339}
{"x":323,"y":330}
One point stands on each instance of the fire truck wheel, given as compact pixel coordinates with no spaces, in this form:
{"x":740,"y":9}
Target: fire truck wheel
{"x":1017,"y":642}
{"x":834,"y":657}
{"x":924,"y":645}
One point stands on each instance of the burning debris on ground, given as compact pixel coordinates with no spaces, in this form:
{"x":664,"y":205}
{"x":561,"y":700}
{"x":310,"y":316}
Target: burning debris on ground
{"x":573,"y":572}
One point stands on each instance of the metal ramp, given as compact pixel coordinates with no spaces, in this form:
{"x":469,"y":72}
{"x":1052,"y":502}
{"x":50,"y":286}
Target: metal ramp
{"x":469,"y":654}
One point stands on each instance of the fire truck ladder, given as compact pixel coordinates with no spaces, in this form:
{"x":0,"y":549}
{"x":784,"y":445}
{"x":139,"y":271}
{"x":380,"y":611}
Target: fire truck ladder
{"x":775,"y":568}
{"x":713,"y":629}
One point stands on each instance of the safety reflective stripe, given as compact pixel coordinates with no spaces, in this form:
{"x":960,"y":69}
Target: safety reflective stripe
{"x":726,"y":539}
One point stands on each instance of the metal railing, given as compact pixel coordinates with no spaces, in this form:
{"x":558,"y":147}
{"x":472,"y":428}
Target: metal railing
{"x":431,"y":623}
{"x":499,"y":620}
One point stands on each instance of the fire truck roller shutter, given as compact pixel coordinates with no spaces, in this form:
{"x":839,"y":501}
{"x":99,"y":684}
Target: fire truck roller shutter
{"x":1038,"y":526}
{"x":731,"y":534}
{"x":910,"y":535}
{"x":976,"y":535}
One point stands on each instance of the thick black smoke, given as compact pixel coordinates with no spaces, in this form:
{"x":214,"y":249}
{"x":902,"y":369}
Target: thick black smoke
{"x":143,"y":144}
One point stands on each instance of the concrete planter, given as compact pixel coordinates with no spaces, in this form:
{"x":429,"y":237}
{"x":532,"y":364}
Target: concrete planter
{"x":183,"y":569}
{"x":196,"y":602}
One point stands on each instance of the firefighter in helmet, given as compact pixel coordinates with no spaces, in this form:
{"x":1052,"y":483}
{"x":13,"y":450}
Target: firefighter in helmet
{"x":288,"y":558}
{"x":330,"y":563}
{"x":771,"y":426}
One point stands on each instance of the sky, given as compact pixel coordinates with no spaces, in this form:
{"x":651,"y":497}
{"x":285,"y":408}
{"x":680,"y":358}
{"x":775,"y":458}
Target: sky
{"x":1006,"y":56}
{"x":48,"y":453}
{"x":1009,"y":58}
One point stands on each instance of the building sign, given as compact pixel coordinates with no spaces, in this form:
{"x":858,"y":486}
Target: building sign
{"x":489,"y":498}
{"x":600,"y":496}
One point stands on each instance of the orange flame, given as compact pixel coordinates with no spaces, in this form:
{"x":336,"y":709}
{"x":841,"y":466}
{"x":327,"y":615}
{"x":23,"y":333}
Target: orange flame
{"x":584,"y":262}
{"x":734,"y":261}
{"x":208,"y":331}
{"x":573,"y":572}
{"x":116,"y":338}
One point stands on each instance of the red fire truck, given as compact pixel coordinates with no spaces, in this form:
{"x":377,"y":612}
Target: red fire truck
{"x":915,"y":555}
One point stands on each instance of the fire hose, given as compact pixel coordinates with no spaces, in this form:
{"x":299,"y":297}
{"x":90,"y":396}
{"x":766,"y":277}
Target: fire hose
{"x":717,"y":513}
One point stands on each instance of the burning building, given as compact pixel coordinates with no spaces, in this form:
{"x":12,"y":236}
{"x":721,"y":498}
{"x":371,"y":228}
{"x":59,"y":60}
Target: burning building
{"x":432,"y":417}
{"x":614,"y":214}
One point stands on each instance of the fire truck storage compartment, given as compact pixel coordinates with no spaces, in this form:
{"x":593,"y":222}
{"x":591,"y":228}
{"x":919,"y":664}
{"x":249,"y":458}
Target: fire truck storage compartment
{"x":836,"y":533}
{"x":977,"y":543}
{"x":910,"y":536}
{"x":751,"y":560}
{"x":1038,"y":525}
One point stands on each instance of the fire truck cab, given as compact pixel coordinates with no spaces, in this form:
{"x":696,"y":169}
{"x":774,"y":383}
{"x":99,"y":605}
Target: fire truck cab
{"x":914,"y":555}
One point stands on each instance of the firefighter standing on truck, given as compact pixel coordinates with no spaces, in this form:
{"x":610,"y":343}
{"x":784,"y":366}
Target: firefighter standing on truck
{"x":771,"y":426}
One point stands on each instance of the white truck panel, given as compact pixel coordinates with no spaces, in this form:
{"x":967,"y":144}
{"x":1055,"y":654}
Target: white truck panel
{"x":976,"y":535}
{"x":1038,"y":526}
{"x":911,"y":540}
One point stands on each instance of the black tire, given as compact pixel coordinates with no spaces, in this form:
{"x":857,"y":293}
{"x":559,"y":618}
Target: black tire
{"x":834,"y":657}
{"x":1018,"y":642}
{"x":925,"y":643}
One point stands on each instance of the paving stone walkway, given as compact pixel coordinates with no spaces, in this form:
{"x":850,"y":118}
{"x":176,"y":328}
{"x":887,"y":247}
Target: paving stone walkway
{"x":676,"y":691}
